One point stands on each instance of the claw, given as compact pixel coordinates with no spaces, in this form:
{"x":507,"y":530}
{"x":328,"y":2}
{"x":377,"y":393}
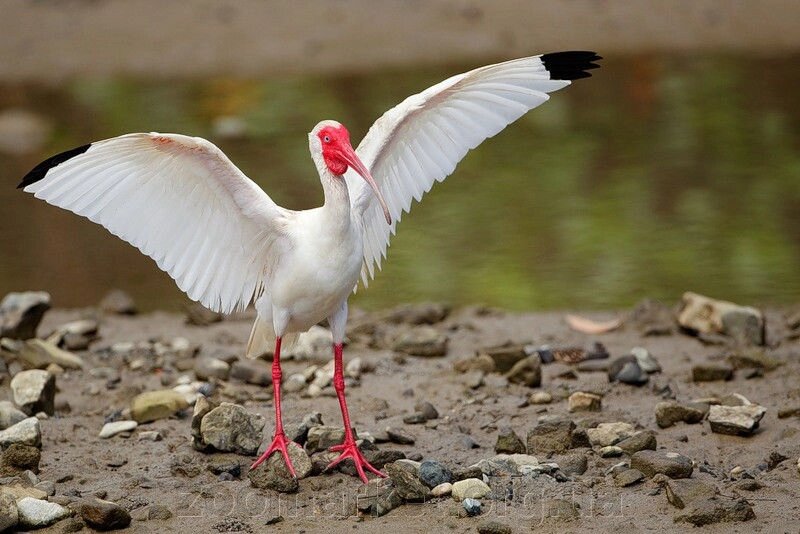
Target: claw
{"x":279,"y":443}
{"x":350,"y":450}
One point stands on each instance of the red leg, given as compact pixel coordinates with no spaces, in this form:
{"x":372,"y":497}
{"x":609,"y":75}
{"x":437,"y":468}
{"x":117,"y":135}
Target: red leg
{"x":349,"y":449}
{"x":279,"y":440}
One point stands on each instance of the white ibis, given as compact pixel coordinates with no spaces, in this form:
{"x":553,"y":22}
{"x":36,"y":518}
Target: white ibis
{"x":182,"y":202}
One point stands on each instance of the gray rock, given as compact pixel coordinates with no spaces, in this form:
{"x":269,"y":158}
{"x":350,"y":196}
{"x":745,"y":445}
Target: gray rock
{"x":572,"y":464}
{"x":46,"y":486}
{"x":39,"y":354}
{"x":646,"y":361}
{"x":231,"y":428}
{"x":321,"y":437}
{"x":117,"y":427}
{"x":433,"y":474}
{"x":640,"y":441}
{"x":493,"y":527}
{"x":471,"y":506}
{"x":427,"y":409}
{"x":527,"y":371}
{"x":471,"y":488}
{"x":671,"y":464}
{"x":582,"y":401}
{"x":406,"y":482}
{"x":505,"y":356}
{"x":399,"y":436}
{"x":201,"y":407}
{"x":206,"y":368}
{"x":421,"y":341}
{"x":199,"y":315}
{"x":752,"y":358}
{"x":711,"y":372}
{"x":74,"y":342}
{"x":381,"y":457}
{"x":509,"y":442}
{"x":104,"y":515}
{"x":273,"y":474}
{"x":442,"y":490}
{"x":416,"y":418}
{"x":472,"y":471}
{"x":606,"y":434}
{"x":593,"y":366}
{"x":378,"y":497}
{"x":505,"y":464}
{"x":118,"y":302}
{"x":683,"y":491}
{"x":34,"y":513}
{"x":298,"y":431}
{"x":670,"y":412}
{"x":416,"y":314}
{"x":154,"y":405}
{"x":735,"y":420}
{"x":540,"y":397}
{"x":256,"y":372}
{"x":481,"y":363}
{"x":550,"y":435}
{"x":21,"y":313}
{"x":18,"y":458}
{"x":301,"y":461}
{"x":149,"y":435}
{"x":26,"y":432}
{"x":9,"y":516}
{"x":717,"y":510}
{"x":158,"y":512}
{"x":653,"y":318}
{"x":709,"y":316}
{"x":10,"y":415}
{"x":628,"y":477}
{"x":314,"y":343}
{"x":732,"y":399}
{"x":294,"y":383}
{"x":34,"y":391}
{"x":72,"y":524}
{"x":610,"y":451}
{"x":626,"y":369}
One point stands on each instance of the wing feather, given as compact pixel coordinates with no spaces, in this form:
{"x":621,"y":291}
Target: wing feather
{"x":421,"y":140}
{"x":179,"y":200}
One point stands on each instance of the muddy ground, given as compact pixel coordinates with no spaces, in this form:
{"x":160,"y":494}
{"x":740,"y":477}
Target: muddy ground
{"x":137,"y":474}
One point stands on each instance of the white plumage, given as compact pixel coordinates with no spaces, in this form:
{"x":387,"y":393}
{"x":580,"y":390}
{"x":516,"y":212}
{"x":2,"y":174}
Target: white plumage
{"x":421,"y":140}
{"x":182,"y":202}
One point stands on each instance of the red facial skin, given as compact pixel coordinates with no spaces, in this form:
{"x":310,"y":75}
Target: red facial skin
{"x":334,"y":140}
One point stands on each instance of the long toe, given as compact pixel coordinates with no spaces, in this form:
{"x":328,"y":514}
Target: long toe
{"x":279,"y":443}
{"x":351,"y":451}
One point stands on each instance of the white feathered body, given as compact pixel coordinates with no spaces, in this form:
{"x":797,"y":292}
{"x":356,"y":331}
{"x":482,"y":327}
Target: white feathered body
{"x":182,"y":202}
{"x":317,"y":272}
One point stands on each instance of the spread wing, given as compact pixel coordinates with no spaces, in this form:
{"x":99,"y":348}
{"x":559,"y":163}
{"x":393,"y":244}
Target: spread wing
{"x":421,"y":140}
{"x":179,"y":200}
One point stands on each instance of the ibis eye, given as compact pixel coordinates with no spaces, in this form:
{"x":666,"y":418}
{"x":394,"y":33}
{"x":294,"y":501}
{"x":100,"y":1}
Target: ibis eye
{"x":327,"y":139}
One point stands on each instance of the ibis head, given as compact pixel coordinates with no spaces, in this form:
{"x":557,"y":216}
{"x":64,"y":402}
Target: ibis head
{"x":333,"y":141}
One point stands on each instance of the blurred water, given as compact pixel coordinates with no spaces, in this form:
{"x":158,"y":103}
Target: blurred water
{"x":657,"y":175}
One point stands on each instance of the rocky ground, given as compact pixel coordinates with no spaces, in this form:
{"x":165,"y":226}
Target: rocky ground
{"x":484,"y":420}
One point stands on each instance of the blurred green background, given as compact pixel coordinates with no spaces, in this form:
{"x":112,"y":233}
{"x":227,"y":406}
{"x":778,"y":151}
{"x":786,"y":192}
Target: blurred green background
{"x":668,"y":170}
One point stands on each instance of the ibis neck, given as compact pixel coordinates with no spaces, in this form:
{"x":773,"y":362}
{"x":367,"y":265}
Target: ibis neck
{"x":336,"y":209}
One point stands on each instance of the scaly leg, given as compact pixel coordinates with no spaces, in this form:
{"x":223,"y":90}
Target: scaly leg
{"x":279,"y":441}
{"x":349,"y":449}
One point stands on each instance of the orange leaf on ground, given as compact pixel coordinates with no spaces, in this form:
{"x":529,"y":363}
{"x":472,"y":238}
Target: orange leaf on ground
{"x":589,"y":326}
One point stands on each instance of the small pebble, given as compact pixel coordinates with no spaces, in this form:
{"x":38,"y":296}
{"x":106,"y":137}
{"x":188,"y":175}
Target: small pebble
{"x":472,"y":506}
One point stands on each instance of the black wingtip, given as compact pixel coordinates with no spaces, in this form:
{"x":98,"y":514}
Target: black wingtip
{"x":570,"y":65}
{"x":40,"y":171}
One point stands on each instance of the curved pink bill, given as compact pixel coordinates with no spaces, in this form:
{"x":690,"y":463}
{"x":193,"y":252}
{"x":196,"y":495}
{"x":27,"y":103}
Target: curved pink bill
{"x":349,"y":155}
